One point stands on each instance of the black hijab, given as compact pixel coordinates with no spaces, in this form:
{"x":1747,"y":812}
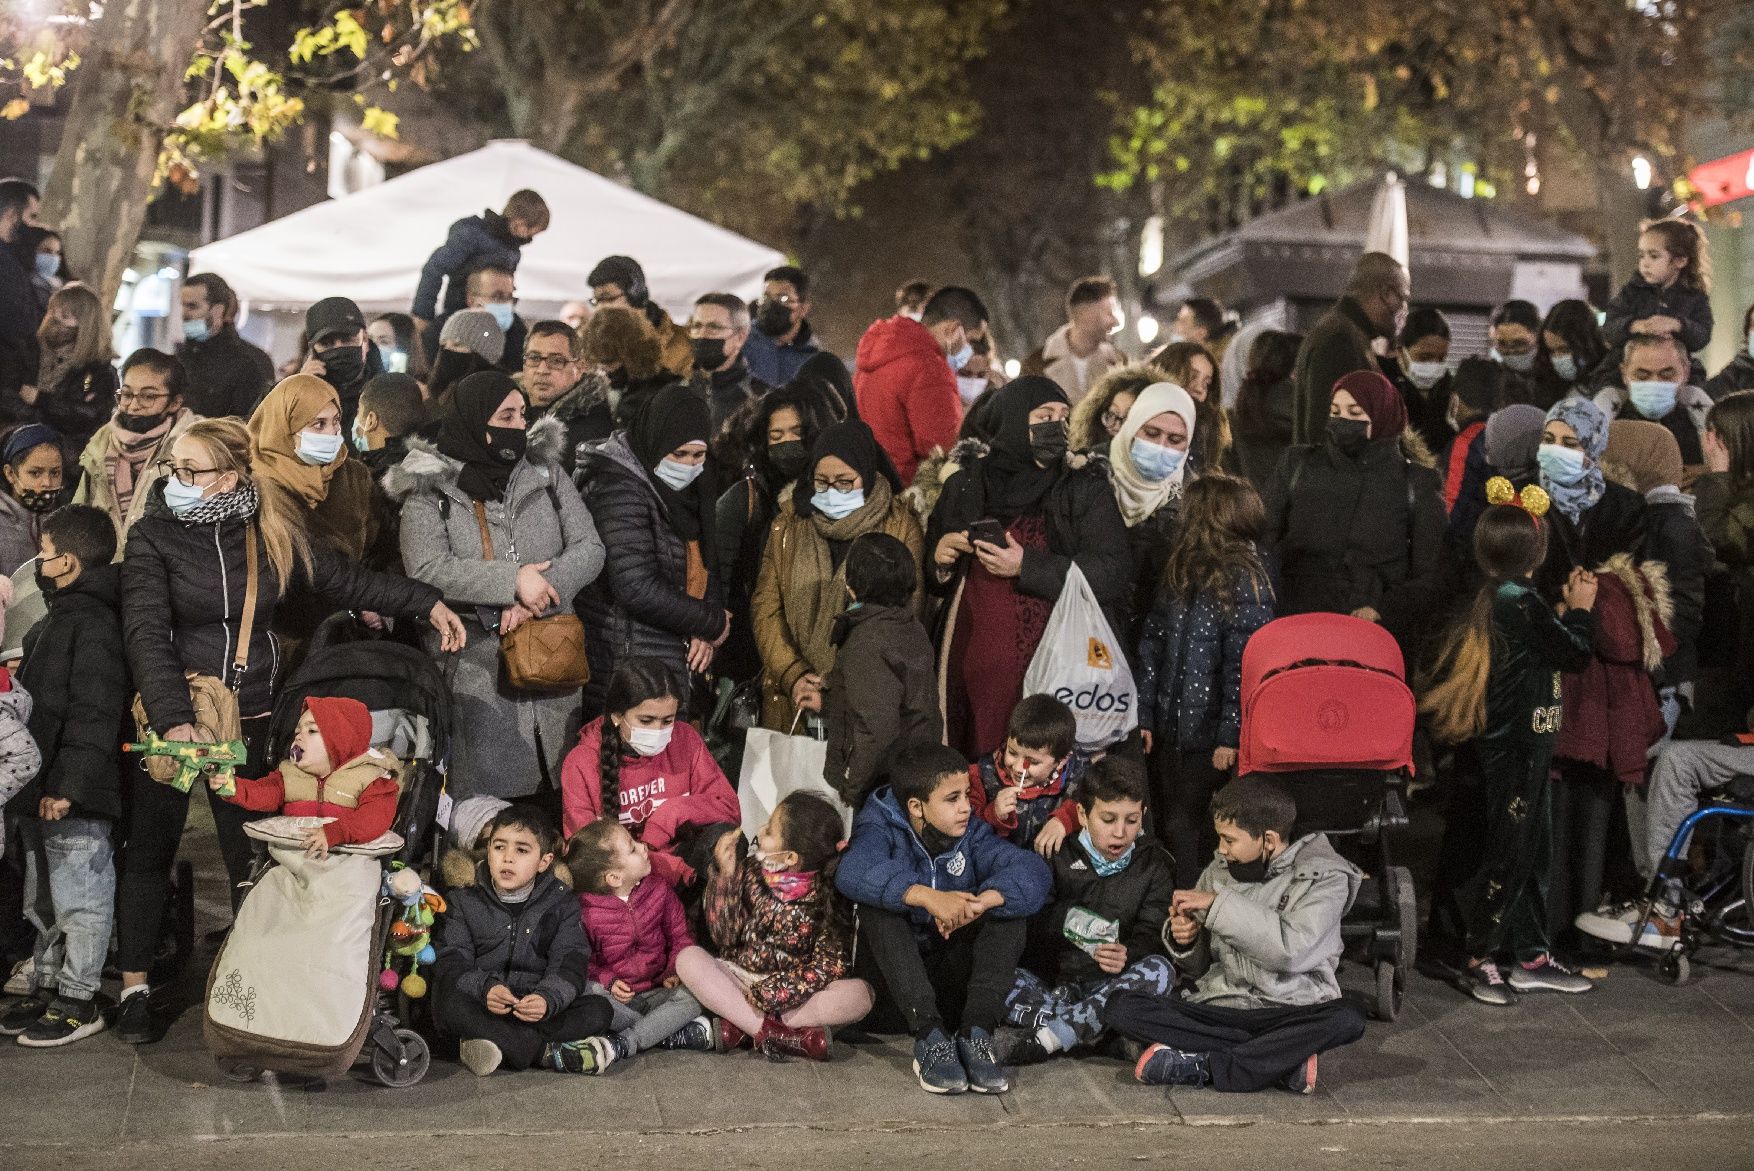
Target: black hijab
{"x":853,"y":444}
{"x":1011,"y":481}
{"x":462,"y":433}
{"x":668,"y":419}
{"x":827,"y":375}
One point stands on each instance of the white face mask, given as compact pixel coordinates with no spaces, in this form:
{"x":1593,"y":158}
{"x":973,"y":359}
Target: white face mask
{"x":1425,"y":375}
{"x":678,"y":476}
{"x":647,"y":741}
{"x":318,"y":449}
{"x":970,"y":389}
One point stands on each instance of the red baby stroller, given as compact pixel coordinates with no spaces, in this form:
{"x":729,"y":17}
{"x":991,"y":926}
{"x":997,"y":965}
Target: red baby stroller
{"x":1325,"y":706}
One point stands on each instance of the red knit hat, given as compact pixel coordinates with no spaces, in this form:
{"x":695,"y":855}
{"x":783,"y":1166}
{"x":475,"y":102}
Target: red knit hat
{"x":1380,"y":400}
{"x":346,"y":725}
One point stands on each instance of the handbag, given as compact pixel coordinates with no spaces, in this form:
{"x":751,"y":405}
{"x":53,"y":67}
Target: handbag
{"x":542,"y":654}
{"x":777,"y":764}
{"x":215,"y":700}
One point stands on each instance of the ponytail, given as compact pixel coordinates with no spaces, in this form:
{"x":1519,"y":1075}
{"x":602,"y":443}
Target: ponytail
{"x":1454,"y":687}
{"x":609,"y":769}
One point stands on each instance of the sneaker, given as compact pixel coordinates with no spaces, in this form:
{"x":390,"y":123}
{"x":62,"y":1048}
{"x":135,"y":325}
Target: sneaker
{"x":134,"y":1018}
{"x":697,"y":1035}
{"x":480,"y":1057}
{"x":66,"y":1022}
{"x":985,"y":1075}
{"x":20,"y":979}
{"x":25,"y":1013}
{"x":936,"y":1064}
{"x":1547,"y":975}
{"x":1485,"y":983}
{"x":1662,"y":932}
{"x":1302,"y":1080}
{"x":1018,"y":1047}
{"x":592,"y":1055}
{"x":1160,"y":1065}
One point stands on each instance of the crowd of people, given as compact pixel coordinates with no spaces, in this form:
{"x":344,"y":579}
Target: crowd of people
{"x":745,"y":530}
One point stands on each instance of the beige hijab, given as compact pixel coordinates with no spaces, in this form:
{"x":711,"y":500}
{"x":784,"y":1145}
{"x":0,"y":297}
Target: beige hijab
{"x":290,"y":408}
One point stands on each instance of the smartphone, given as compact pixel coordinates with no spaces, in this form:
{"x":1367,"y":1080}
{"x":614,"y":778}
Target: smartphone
{"x":988,"y":530}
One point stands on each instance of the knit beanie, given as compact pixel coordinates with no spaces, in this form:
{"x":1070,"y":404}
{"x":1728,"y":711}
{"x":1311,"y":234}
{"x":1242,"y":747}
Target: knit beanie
{"x":476,"y":329}
{"x":470,"y":816}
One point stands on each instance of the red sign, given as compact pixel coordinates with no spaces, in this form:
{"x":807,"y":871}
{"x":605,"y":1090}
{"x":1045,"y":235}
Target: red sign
{"x":1724,"y":180}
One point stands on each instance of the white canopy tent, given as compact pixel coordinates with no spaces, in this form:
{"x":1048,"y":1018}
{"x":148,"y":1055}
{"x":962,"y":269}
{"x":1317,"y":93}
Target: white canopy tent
{"x":370,"y":245}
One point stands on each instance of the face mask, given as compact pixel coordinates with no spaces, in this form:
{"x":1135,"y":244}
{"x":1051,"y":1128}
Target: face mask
{"x":709,"y":352}
{"x":1155,"y":461}
{"x":1654,"y":400}
{"x":45,"y":583}
{"x":450,"y":367}
{"x":647,"y":741}
{"x":1751,"y":343}
{"x":318,"y":449}
{"x":960,"y":358}
{"x":1047,"y":442}
{"x":503,"y":314}
{"x":1348,"y":435}
{"x":788,"y":458}
{"x":41,"y":501}
{"x":678,"y":476}
{"x":138,"y":424}
{"x":1255,"y":871}
{"x":394,"y":360}
{"x":196,"y":330}
{"x":1565,"y":366}
{"x":969,"y":389}
{"x":1521,"y":363}
{"x":775,"y":319}
{"x":1562,"y":465}
{"x":936,"y":841}
{"x":835,"y":504}
{"x":361,"y":441}
{"x":343,"y":367}
{"x":508,"y":443}
{"x":912,"y":314}
{"x":1425,"y":375}
{"x":788,"y":886}
{"x":180,"y":497}
{"x":1105,"y":866}
{"x":48,"y":265}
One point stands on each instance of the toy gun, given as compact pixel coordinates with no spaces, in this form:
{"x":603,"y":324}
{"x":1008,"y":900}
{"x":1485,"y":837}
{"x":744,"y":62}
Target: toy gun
{"x":194,"y":759}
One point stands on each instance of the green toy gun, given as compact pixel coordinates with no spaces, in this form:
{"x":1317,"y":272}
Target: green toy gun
{"x":195,"y":759}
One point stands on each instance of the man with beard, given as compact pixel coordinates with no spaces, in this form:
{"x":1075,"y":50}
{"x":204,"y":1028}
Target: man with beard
{"x":782,"y":341}
{"x":1375,"y":300}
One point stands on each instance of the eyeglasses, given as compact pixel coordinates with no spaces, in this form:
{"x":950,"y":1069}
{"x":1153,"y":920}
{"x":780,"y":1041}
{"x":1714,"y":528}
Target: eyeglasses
{"x":708,"y":329}
{"x":842,"y":484}
{"x":599,"y":302}
{"x":129,"y":398}
{"x":1112,"y":421}
{"x":184,"y":476}
{"x":555,"y":362}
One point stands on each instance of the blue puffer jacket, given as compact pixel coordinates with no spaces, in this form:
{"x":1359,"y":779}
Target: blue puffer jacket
{"x":1190,"y":665}
{"x":886,"y":857}
{"x":473,"y":242}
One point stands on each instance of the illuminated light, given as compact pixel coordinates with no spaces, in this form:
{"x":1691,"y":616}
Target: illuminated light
{"x":1147,"y":328}
{"x":1013,"y":367}
{"x":1641,"y":173}
{"x":1465,"y":186}
{"x":1151,"y":246}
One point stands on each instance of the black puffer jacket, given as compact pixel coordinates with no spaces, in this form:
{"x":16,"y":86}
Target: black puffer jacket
{"x":77,"y":405}
{"x":227,"y":375}
{"x":1137,"y":898}
{"x":1673,"y":536}
{"x":1614,"y":524}
{"x":537,"y":945}
{"x":78,"y":678}
{"x":183,"y":601}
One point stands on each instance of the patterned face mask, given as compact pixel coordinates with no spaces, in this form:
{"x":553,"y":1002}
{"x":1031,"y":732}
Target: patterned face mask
{"x":788,"y":886}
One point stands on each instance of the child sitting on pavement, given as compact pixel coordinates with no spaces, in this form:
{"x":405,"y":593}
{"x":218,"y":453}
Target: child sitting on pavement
{"x":1028,"y":792}
{"x":1261,"y":932}
{"x":1102,"y":935}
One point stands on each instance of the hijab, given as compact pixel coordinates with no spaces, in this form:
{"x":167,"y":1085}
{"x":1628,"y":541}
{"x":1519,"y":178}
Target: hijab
{"x":1585,"y":418}
{"x":1137,"y":496}
{"x":1512,"y":435}
{"x":462,"y":434}
{"x":1380,"y":400}
{"x":1012,"y":482}
{"x":288,"y":409}
{"x":669,"y":418}
{"x":1649,"y":451}
{"x":825,"y":374}
{"x":854,"y":445}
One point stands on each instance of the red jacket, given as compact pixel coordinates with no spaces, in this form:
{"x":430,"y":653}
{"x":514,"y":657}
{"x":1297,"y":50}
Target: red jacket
{"x":359,"y":793}
{"x":906,"y":392}
{"x":636,"y":939}
{"x":980,"y":804}
{"x":1611,"y":715}
{"x":660,"y":795}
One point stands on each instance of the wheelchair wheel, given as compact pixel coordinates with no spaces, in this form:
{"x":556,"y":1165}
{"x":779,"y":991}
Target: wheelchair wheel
{"x":1748,"y":881}
{"x":407,"y":1065}
{"x":1676,"y":968}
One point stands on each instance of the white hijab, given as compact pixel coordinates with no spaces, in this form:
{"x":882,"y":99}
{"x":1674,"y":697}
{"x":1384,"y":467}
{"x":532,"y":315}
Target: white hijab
{"x":1137,"y":496}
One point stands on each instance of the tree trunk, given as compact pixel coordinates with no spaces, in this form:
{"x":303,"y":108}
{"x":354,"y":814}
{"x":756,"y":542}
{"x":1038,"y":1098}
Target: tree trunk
{"x":128,"y":89}
{"x":1622,"y":207}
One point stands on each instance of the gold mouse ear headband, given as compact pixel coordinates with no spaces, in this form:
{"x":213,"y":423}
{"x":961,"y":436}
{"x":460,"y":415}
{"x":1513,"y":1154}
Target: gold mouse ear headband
{"x":1533,"y":499}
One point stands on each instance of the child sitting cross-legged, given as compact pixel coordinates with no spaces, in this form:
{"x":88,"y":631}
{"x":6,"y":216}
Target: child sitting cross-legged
{"x":1102,"y":934}
{"x":511,"y":977}
{"x":943,"y":903}
{"x":1261,"y":932}
{"x":784,"y":936}
{"x":637,"y":929}
{"x":1028,"y":791}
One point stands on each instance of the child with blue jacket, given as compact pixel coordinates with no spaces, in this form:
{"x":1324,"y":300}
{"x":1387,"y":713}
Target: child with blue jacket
{"x":943,"y":906}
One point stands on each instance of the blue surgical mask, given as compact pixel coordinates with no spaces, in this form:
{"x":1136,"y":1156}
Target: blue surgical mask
{"x":502,"y":313}
{"x":48,"y":265}
{"x":678,"y":476}
{"x":1521,"y":363}
{"x":394,"y":360}
{"x":1562,"y":465}
{"x":1155,"y":461}
{"x":1105,"y":866}
{"x":1652,"y":399}
{"x":1751,"y":343}
{"x":960,"y":358}
{"x":1425,"y":375}
{"x":318,"y":449}
{"x":360,"y":440}
{"x":181,"y":497}
{"x":196,"y":330}
{"x":834,"y":504}
{"x":1565,"y":366}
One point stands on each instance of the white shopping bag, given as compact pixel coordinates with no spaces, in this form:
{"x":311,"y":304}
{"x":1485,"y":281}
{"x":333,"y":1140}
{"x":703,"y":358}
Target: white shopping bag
{"x":1080,"y":663}
{"x":776,"y":765}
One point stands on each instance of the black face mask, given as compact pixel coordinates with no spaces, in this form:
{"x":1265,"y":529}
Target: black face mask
{"x":788,"y":458}
{"x":709,"y":352}
{"x":1251,"y":872}
{"x":45,"y":583}
{"x":139,"y":424}
{"x":775,"y":319}
{"x":508,"y":443}
{"x":342,"y":366}
{"x":451,"y":367}
{"x":41,"y":501}
{"x":936,"y":840}
{"x":1348,"y":435}
{"x":1047,"y":442}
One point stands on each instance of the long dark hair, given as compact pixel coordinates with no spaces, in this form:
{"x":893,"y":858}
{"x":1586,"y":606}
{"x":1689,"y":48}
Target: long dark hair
{"x":633,"y":682}
{"x":812,"y":827}
{"x":1271,"y":359}
{"x":1222,"y":518}
{"x":1732,"y":417}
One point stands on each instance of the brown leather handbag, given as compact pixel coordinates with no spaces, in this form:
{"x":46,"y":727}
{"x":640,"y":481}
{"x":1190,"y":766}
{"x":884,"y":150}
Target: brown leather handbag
{"x":540,"y":654}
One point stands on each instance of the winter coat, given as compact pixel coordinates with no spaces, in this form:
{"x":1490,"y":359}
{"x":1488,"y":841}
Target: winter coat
{"x":774,"y":364}
{"x":20,"y":314}
{"x":1338,"y":344}
{"x":1148,"y":544}
{"x":886,"y":857}
{"x":906,"y":391}
{"x":636,"y":939}
{"x":540,"y":518}
{"x":19,"y":759}
{"x":1611,"y":712}
{"x":640,"y":605}
{"x":1273,"y":943}
{"x":1737,"y":374}
{"x":98,"y":489}
{"x":78,"y":404}
{"x":1428,"y":410}
{"x":1054,"y":359}
{"x":660,"y":796}
{"x":725,"y":391}
{"x":880,"y":696}
{"x":1356,"y":532}
{"x":511,"y":356}
{"x":798,"y":947}
{"x":1189,"y":671}
{"x":75,"y":670}
{"x":473,"y":242}
{"x":183,"y":591}
{"x":1686,"y":422}
{"x":1057,"y":800}
{"x":1639,"y":299}
{"x":1137,"y":899}
{"x":741,"y":520}
{"x":1673,"y":537}
{"x":351,"y":521}
{"x":537,"y":945}
{"x":227,"y":375}
{"x":1616,"y":523}
{"x":1258,"y":451}
{"x":1531,"y":644}
{"x":19,"y":530}
{"x":584,"y":413}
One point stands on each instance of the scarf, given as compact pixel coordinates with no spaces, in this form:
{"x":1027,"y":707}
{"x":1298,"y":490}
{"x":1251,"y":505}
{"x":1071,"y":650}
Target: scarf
{"x":854,"y":445}
{"x":1585,"y":418}
{"x":1099,"y":861}
{"x":815,"y":591}
{"x":1012,"y":483}
{"x":274,"y":428}
{"x":463,"y":434}
{"x":1138,"y":497}
{"x":668,"y":419}
{"x":127,"y":456}
{"x":1649,"y":451}
{"x":241,"y":503}
{"x":788,"y":886}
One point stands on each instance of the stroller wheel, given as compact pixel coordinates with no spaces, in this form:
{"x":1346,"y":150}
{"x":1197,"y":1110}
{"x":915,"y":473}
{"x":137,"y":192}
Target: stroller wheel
{"x":234,"y":1070}
{"x":407,"y":1065}
{"x":1677,"y":969}
{"x":1406,"y":903}
{"x":1390,"y":988}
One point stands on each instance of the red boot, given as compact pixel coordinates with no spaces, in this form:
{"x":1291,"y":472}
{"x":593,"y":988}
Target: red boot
{"x":779,"y":1040}
{"x":729,"y":1037}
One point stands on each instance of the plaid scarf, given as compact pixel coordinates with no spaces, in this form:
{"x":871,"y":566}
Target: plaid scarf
{"x":240,"y":503}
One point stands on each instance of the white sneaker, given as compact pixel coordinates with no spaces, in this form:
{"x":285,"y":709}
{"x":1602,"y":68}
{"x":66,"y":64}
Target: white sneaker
{"x":19,"y":982}
{"x":1614,"y":925}
{"x":481,"y":1057}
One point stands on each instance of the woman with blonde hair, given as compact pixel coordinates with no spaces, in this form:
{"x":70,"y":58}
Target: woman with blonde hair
{"x":217,"y":549}
{"x":1192,"y":367}
{"x":76,"y":377}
